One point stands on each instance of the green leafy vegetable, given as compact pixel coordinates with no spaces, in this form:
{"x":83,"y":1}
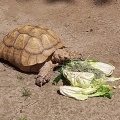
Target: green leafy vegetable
{"x":57,"y":79}
{"x":103,"y":91}
{"x":87,"y":79}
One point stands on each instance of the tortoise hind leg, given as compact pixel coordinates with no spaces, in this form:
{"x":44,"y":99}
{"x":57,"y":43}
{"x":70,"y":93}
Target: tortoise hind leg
{"x":43,"y":76}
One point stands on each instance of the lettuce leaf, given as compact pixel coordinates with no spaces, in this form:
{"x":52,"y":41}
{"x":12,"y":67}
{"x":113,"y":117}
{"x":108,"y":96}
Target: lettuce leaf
{"x":83,"y":94}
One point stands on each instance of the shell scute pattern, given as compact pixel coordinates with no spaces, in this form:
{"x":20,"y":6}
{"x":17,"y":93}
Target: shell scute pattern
{"x":25,"y":29}
{"x":21,"y":41}
{"x":17,"y":56}
{"x":5,"y":56}
{"x":40,"y":58}
{"x":53,"y":35}
{"x":34,"y":46}
{"x":10,"y":38}
{"x":24,"y":58}
{"x":32,"y":59}
{"x":46,"y":42}
{"x":37,"y":32}
{"x":29,"y":45}
{"x":49,"y":51}
{"x":11,"y":54}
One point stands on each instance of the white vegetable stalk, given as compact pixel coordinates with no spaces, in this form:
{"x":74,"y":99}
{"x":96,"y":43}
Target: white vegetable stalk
{"x":79,"y":79}
{"x":76,"y":92}
{"x":105,"y":68}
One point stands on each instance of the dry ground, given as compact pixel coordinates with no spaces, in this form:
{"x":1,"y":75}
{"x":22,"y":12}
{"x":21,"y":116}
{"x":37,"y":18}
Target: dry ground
{"x":88,"y":26}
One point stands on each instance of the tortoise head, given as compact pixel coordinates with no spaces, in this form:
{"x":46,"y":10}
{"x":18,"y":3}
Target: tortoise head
{"x":63,"y":54}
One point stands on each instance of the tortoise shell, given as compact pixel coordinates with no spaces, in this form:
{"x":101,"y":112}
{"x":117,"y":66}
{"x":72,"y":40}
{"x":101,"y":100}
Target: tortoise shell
{"x":29,"y":45}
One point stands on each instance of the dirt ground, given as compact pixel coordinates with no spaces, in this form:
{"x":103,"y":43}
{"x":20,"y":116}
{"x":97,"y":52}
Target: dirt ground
{"x":90,"y":27}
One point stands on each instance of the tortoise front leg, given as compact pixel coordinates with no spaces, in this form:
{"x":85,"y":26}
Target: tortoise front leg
{"x":44,"y":74}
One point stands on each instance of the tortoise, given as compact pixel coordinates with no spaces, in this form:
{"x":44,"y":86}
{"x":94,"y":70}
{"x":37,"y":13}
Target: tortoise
{"x":35,"y":49}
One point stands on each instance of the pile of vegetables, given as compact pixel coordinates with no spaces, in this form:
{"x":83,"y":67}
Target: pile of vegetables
{"x":87,"y":79}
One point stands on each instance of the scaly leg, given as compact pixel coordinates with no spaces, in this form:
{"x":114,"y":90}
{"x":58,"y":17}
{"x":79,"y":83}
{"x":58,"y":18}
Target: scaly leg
{"x":44,"y":74}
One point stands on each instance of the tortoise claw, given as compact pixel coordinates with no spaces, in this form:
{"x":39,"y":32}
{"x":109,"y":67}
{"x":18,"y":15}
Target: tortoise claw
{"x":40,"y":80}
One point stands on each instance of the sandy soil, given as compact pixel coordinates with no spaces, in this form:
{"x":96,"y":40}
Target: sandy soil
{"x":91,"y":27}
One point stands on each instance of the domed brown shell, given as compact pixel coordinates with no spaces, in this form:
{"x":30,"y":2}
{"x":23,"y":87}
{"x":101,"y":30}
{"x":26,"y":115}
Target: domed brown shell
{"x":29,"y":45}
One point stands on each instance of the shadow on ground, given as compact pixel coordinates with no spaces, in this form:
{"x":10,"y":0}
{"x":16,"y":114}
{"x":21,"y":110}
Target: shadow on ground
{"x":101,"y":2}
{"x":52,"y":1}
